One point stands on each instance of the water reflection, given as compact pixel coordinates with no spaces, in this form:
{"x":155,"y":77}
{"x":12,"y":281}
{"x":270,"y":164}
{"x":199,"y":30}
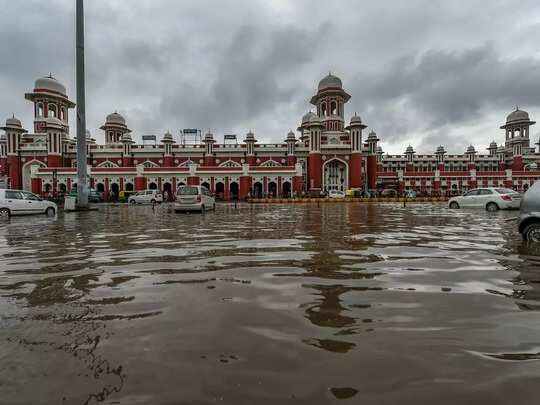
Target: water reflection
{"x":114,"y":299}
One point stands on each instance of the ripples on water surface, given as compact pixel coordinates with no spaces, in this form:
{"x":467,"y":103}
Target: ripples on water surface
{"x":265,"y":305}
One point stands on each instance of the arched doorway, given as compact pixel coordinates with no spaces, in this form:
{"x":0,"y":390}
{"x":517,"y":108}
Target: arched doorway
{"x":220,"y":190}
{"x":115,"y":190}
{"x":335,"y":175}
{"x":167,"y":187}
{"x":27,"y":173}
{"x":100,"y":187}
{"x":47,"y":188}
{"x":62,"y":188}
{"x":152,"y":186}
{"x":234,"y":190}
{"x":205,"y":184}
{"x":128,"y":187}
{"x":272,"y":189}
{"x":257,"y":189}
{"x":286,"y":189}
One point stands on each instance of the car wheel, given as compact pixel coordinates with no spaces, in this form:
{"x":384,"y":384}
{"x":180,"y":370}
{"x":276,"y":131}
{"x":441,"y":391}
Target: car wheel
{"x":492,"y":207}
{"x":532,"y":232}
{"x":50,"y":212}
{"x":132,"y":202}
{"x":454,"y":205}
{"x":5,"y":213}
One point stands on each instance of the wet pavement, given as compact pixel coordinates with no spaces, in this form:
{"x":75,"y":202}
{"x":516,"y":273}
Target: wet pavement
{"x":299,"y":304}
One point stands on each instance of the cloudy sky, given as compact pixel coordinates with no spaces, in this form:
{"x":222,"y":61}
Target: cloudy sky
{"x":420,"y":72}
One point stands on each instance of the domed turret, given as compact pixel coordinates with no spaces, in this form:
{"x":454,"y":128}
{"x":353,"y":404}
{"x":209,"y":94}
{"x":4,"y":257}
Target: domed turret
{"x":330,"y":81}
{"x":13,"y":124}
{"x":409,"y":150}
{"x":115,"y":119}
{"x":355,"y":119}
{"x":115,"y":127}
{"x":167,"y":137}
{"x":517,"y":115}
{"x":50,"y":84}
{"x":291,"y":136}
{"x":471,"y":149}
{"x":307,"y":117}
{"x":440,"y":150}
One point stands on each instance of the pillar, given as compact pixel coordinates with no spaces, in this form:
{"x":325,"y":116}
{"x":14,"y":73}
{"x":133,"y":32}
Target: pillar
{"x":245,"y":186}
{"x":314,"y":172}
{"x":193,"y":181}
{"x":297,"y":185}
{"x":226,"y":194}
{"x":14,"y":172}
{"x":106,"y":193}
{"x":140,"y":183}
{"x":355,"y":171}
{"x":37,"y":186}
{"x":372,"y":172}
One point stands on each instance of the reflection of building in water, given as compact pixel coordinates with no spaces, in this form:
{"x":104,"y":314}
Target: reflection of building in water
{"x":328,"y":154}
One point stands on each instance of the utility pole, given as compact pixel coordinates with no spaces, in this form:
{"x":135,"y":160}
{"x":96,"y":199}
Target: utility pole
{"x":82,"y":187}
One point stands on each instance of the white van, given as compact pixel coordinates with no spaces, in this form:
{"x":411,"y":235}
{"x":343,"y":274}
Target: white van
{"x":194,"y":198}
{"x":18,"y":202}
{"x":146,"y":197}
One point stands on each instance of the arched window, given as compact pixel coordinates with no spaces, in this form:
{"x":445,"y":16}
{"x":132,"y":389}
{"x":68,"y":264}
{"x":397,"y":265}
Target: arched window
{"x":108,"y":164}
{"x":270,"y":163}
{"x":62,"y":113}
{"x":323,"y":109}
{"x":39,"y":109}
{"x":230,"y":163}
{"x":333,"y":108}
{"x":52,"y":111}
{"x":149,"y":164}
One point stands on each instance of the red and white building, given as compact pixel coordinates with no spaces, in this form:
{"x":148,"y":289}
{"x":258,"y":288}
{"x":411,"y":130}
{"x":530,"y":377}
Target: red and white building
{"x":327,"y":154}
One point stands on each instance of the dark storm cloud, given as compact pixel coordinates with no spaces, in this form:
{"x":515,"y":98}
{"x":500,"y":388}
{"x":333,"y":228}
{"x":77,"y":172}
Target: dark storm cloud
{"x":419,"y":72}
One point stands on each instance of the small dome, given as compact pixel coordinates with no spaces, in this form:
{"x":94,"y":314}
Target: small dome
{"x":355,"y":119}
{"x":517,"y":115}
{"x":330,"y":81}
{"x":372,"y":135}
{"x":208,"y":137}
{"x":51,"y":84}
{"x":250,"y":136}
{"x":167,"y":137}
{"x":115,"y":118}
{"x":126,"y":137}
{"x":290,"y":136}
{"x":440,"y":149}
{"x":493,"y":145}
{"x":471,"y":149}
{"x":409,"y":150}
{"x":379,"y":150}
{"x":314,"y":119}
{"x":307,"y":117}
{"x":13,"y":122}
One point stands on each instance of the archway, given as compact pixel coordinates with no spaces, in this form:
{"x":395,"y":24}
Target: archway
{"x":27,"y":173}
{"x":220,"y":190}
{"x":234,"y":190}
{"x":257,"y":189}
{"x":128,"y":187}
{"x":335,"y":175}
{"x":205,"y":184}
{"x":152,"y":186}
{"x":272,"y":189}
{"x":100,"y":187}
{"x":115,"y":190}
{"x":47,"y":188}
{"x":62,"y":188}
{"x":167,"y":190}
{"x":286,"y":189}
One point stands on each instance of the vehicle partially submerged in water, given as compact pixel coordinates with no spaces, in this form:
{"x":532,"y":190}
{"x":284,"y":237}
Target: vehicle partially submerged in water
{"x":529,"y":219}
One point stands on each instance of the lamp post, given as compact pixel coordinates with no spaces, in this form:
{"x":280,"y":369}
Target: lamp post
{"x":82,"y":187}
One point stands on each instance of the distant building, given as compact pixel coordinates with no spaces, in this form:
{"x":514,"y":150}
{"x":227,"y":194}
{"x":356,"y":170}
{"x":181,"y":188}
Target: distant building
{"x":328,"y":154}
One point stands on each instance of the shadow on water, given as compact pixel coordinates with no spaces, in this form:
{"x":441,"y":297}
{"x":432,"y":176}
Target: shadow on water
{"x":89,"y":300}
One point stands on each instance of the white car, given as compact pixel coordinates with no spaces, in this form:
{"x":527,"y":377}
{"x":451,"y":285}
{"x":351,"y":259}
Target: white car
{"x":489,"y":198}
{"x":18,"y":202}
{"x":146,"y":197}
{"x":194,"y":198}
{"x":336,"y":194}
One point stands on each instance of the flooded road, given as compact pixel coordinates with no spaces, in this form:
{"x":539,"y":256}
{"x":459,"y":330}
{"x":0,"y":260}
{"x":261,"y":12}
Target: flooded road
{"x":342,"y":303}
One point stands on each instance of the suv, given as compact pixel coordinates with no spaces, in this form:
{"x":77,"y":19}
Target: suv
{"x":18,"y":202}
{"x":489,"y":198}
{"x":529,"y":218}
{"x":146,"y":197}
{"x":194,"y":198}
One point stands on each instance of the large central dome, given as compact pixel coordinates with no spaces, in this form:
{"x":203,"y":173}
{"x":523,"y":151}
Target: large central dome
{"x":51,"y":84}
{"x":517,"y":115}
{"x":330,"y":81}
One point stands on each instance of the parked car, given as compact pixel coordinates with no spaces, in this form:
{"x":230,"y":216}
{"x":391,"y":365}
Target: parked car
{"x":489,"y":198}
{"x":194,"y":198}
{"x":529,"y":218}
{"x":146,"y":197}
{"x":336,"y":194}
{"x":409,"y":194}
{"x":18,"y":202}
{"x":389,"y":192}
{"x":93,"y":195}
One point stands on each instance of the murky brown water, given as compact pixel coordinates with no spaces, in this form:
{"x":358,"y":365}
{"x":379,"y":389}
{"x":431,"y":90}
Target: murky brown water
{"x":269,"y":305}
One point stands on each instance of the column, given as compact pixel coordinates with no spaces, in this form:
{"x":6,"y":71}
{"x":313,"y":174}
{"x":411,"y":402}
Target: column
{"x":355,"y":171}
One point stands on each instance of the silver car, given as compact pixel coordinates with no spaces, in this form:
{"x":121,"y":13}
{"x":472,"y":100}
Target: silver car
{"x":529,"y":219}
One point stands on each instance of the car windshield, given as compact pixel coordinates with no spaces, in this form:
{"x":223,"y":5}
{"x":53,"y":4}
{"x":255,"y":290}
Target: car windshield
{"x":188,"y":191}
{"x":505,"y":191}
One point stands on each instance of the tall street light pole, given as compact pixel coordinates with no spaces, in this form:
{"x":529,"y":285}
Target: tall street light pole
{"x":82,"y":188}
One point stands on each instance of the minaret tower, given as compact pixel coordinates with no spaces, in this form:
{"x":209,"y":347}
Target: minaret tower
{"x":291,"y":146}
{"x":168,"y":142}
{"x":355,"y":129}
{"x":114,"y":127}
{"x":55,"y":130}
{"x":127,"y":142}
{"x":517,"y":136}
{"x":330,"y":100}
{"x":14,"y":131}
{"x":50,"y":100}
{"x":250,"y":148}
{"x":314,"y":157}
{"x":209,"y":141}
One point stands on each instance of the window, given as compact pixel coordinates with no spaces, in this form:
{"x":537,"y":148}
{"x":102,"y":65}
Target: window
{"x":39,"y":111}
{"x":187,"y":190}
{"x":485,"y":191}
{"x":471,"y":193}
{"x":333,"y":108}
{"x":30,"y":196}
{"x":13,"y":195}
{"x":63,"y":114}
{"x":230,"y":163}
{"x":52,"y":111}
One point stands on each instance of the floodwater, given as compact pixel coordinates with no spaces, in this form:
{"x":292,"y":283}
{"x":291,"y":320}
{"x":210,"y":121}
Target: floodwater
{"x":342,"y":303}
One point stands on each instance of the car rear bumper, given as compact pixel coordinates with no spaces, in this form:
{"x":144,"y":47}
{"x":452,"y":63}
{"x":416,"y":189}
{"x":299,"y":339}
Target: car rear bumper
{"x":510,"y":205}
{"x":188,"y":206}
